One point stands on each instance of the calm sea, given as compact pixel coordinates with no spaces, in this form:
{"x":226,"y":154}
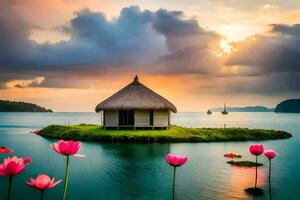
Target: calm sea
{"x":139,"y":171}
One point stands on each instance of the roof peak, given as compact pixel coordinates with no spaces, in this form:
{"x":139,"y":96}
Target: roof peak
{"x":136,"y":80}
{"x":135,"y":96}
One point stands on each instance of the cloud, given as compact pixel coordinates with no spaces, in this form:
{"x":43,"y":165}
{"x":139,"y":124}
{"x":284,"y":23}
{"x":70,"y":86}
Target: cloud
{"x":129,"y":40}
{"x":272,"y":59}
{"x":284,"y":84}
{"x":192,"y":49}
{"x":283,"y":29}
{"x":37,"y":81}
{"x":154,"y":42}
{"x":134,"y":41}
{"x":275,"y":52}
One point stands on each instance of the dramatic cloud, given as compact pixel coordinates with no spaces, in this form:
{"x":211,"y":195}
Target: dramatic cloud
{"x":272,"y":59}
{"x":153,"y":42}
{"x":147,"y":42}
{"x":191,"y":48}
{"x":94,"y":41}
{"x":278,"y":51}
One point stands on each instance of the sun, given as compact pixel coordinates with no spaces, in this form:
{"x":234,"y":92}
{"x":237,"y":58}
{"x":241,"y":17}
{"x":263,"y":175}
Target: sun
{"x":225,"y":48}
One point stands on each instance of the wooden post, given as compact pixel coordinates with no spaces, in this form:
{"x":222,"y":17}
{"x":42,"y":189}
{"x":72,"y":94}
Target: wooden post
{"x":169,"y":118}
{"x":103,"y":118}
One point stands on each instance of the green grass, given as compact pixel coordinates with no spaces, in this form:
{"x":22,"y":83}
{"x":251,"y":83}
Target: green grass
{"x":244,"y":163}
{"x":175,"y":134}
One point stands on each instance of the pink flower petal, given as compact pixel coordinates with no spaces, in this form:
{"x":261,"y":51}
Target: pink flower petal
{"x":54,"y":184}
{"x":19,"y":170}
{"x":12,"y":167}
{"x":5,"y":150}
{"x":74,"y":147}
{"x":27,"y":160}
{"x":2,"y":171}
{"x":55,"y":147}
{"x":79,"y":155}
{"x":63,"y":147}
{"x":30,"y":183}
{"x":42,"y":181}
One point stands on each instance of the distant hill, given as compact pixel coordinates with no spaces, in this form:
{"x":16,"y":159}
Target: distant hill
{"x":12,"y":106}
{"x":245,"y":109}
{"x":288,"y":106}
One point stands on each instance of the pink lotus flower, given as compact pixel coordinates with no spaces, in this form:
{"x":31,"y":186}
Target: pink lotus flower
{"x":5,"y":150}
{"x":67,"y":148}
{"x":270,"y":154}
{"x":13,"y":166}
{"x":256,"y":149}
{"x":176,"y":160}
{"x":42,"y":182}
{"x":37,"y":132}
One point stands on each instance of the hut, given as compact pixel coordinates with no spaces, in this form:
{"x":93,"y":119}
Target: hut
{"x":136,"y":106}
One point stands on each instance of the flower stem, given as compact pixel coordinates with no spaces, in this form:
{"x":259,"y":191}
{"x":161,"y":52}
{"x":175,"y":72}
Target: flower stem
{"x":66,"y":179}
{"x":174,"y":179}
{"x":42,"y":195}
{"x":270,"y":188}
{"x":9,"y":187}
{"x":255,"y":172}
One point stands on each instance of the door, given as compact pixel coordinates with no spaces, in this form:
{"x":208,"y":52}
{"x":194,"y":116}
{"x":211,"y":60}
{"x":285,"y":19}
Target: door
{"x":126,"y":117}
{"x":151,"y":117}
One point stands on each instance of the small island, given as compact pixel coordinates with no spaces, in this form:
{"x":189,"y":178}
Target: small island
{"x":245,"y":109}
{"x":13,"y":106}
{"x":288,"y":106}
{"x":244,"y":163}
{"x":85,"y":132}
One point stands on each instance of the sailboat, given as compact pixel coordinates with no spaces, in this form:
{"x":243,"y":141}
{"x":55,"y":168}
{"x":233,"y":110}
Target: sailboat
{"x":224,"y":112}
{"x":209,"y":112}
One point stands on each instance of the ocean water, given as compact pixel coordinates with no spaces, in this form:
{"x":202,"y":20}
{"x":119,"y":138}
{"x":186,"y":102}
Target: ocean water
{"x":139,"y":171}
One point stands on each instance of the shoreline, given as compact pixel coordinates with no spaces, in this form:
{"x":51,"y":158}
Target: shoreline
{"x":176,"y":134}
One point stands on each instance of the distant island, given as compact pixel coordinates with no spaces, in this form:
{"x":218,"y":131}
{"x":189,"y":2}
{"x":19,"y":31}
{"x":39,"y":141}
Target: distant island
{"x":245,"y":109}
{"x":288,"y":106}
{"x":13,"y":106}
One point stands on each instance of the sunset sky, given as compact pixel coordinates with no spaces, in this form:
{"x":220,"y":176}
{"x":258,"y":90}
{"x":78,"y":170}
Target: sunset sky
{"x":69,"y":55}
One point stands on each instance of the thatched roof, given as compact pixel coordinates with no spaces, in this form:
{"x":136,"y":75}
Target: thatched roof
{"x":135,"y":96}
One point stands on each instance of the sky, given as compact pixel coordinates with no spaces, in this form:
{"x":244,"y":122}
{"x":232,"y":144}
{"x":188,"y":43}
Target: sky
{"x":69,"y":55}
